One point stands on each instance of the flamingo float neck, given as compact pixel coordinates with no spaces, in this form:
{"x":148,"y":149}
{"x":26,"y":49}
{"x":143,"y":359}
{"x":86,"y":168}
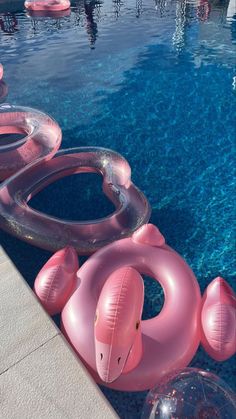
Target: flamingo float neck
{"x":117,"y":330}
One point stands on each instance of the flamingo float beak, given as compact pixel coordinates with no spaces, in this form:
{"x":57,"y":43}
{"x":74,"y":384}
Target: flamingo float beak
{"x":110,"y":361}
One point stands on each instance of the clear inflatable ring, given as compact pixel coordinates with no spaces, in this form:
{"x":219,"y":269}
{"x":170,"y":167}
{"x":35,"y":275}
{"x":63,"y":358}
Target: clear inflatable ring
{"x":51,"y":233}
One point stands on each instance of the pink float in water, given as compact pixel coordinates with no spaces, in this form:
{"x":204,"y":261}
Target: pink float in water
{"x":51,"y":233}
{"x":102,"y":319}
{"x":41,"y":138}
{"x":56,"y":281}
{"x":218,"y":319}
{"x":1,"y":71}
{"x":47,"y":5}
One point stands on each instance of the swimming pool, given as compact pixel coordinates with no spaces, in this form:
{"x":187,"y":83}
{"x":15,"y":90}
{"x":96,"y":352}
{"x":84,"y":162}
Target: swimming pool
{"x":153,"y":81}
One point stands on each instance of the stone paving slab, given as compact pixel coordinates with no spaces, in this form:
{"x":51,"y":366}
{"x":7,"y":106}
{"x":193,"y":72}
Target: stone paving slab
{"x":50,"y":383}
{"x":24,"y":326}
{"x":40,"y":376}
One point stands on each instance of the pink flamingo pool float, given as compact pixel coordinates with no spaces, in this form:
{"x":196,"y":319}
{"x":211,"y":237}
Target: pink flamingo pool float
{"x":102,"y":316}
{"x":41,"y":138}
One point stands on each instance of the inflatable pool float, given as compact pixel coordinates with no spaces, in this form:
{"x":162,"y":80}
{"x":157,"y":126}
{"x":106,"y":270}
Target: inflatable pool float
{"x":1,"y":71}
{"x":51,"y":233}
{"x":56,"y":281}
{"x":102,"y":319}
{"x":190,"y":393}
{"x":47,"y":5}
{"x":41,"y":138}
{"x":218,"y":320}
{"x":102,"y":314}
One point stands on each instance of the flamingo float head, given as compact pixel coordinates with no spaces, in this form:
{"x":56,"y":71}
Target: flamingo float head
{"x":117,"y":328}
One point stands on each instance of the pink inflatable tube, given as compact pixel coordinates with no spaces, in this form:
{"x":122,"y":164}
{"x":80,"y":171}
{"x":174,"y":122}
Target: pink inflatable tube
{"x":56,"y":281}
{"x":42,"y":138}
{"x":218,"y":320}
{"x":19,"y":219}
{"x":1,"y":71}
{"x":47,"y":5}
{"x":102,"y":319}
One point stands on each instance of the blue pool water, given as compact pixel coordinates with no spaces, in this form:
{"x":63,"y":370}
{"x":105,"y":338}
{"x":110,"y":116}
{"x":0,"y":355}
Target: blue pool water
{"x":154,"y":81}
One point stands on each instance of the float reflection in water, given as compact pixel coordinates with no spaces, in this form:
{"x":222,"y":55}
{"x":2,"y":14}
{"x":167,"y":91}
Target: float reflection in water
{"x":40,"y":14}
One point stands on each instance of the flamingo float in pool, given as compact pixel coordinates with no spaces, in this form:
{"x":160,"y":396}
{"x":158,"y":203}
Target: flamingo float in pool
{"x":102,"y":308}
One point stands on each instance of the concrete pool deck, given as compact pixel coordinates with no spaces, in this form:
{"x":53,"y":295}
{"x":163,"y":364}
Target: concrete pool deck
{"x":40,"y":376}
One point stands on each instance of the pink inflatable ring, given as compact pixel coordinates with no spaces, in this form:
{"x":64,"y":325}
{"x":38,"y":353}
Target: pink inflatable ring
{"x":42,"y":138}
{"x":47,"y":5}
{"x":102,"y":319}
{"x":1,"y":71}
{"x":17,"y":218}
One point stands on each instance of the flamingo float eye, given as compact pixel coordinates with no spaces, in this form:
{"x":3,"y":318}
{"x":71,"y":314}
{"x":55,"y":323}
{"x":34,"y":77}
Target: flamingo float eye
{"x":137,"y":325}
{"x":119,"y":359}
{"x":101,"y":355}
